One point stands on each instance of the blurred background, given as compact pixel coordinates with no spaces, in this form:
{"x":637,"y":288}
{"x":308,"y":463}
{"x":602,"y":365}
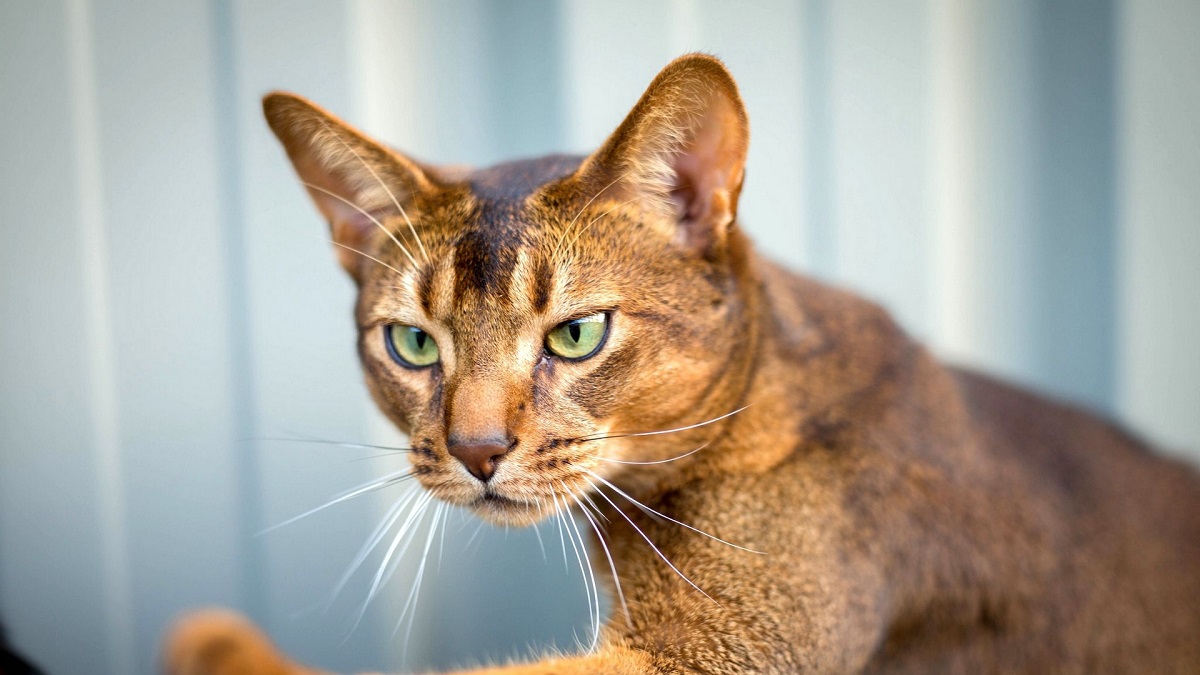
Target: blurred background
{"x":1018,"y":180}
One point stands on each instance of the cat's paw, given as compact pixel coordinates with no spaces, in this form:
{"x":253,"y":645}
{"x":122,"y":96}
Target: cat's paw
{"x":221,"y":642}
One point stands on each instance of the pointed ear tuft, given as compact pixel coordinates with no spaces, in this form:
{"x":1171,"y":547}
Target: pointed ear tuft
{"x":353,"y":180}
{"x":681,"y":151}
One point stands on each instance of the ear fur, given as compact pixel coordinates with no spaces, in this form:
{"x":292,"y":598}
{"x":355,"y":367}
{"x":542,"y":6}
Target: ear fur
{"x":347,"y":174}
{"x":681,"y":151}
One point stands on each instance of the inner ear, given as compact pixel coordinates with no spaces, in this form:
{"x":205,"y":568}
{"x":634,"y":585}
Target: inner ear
{"x":681,"y":151}
{"x":708,"y":171}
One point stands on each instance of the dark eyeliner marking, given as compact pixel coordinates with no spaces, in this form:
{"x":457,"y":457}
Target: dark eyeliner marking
{"x":421,"y":339}
{"x":574,"y":330}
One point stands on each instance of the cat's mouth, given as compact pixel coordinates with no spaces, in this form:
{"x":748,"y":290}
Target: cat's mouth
{"x":492,"y":500}
{"x":501,"y":509}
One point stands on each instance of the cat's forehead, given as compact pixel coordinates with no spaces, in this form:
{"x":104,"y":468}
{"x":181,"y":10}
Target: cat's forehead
{"x":485,"y":248}
{"x":494,"y":254}
{"x":516,"y":180}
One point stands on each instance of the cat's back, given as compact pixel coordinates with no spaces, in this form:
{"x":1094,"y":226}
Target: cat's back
{"x":1095,"y":466}
{"x":1091,"y":538}
{"x":1128,"y":551}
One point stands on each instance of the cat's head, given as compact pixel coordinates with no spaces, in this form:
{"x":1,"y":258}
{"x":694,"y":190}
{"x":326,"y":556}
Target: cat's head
{"x":517,"y":320}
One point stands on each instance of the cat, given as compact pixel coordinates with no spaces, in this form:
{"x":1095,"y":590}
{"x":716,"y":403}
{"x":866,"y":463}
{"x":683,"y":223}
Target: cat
{"x":820,"y":494}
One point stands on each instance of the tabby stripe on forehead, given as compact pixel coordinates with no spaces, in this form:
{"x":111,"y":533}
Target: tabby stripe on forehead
{"x":543,"y":281}
{"x":484,"y":264}
{"x":425,"y":289}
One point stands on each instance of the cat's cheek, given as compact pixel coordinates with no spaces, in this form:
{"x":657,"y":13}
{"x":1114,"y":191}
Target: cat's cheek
{"x":598,"y":392}
{"x":396,"y":413}
{"x":404,"y":404}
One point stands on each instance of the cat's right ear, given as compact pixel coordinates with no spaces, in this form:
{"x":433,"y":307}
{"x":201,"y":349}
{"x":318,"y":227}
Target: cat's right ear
{"x":353,"y":180}
{"x":681,"y":152}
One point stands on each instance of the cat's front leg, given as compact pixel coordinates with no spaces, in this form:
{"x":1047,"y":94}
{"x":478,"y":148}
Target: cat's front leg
{"x":221,"y":642}
{"x":614,"y":660}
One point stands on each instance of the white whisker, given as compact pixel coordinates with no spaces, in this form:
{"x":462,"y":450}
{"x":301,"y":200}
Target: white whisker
{"x":385,"y":568}
{"x":379,"y":455}
{"x":587,"y":227}
{"x":669,"y":431}
{"x":537,"y":532}
{"x":595,"y":588}
{"x":442,"y":539}
{"x":386,"y":524}
{"x":341,"y":444}
{"x":589,"y":591}
{"x":570,"y":225}
{"x":652,"y":546}
{"x":588,"y":498}
{"x":607,"y":554}
{"x":416,"y":589}
{"x":352,"y":204}
{"x":561,"y":539}
{"x":373,"y":219}
{"x":386,"y":189}
{"x":374,"y":484}
{"x":658,"y":461}
{"x":478,"y":529}
{"x":651,"y":511}
{"x":365,"y":255}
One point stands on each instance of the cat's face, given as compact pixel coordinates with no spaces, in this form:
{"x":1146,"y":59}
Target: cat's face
{"x":517,"y":321}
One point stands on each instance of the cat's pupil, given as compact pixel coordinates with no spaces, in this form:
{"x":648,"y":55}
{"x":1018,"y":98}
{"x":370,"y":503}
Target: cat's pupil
{"x":574,"y":330}
{"x":419,"y":337}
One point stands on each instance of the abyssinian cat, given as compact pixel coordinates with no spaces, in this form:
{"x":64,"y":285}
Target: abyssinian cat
{"x":820,"y":494}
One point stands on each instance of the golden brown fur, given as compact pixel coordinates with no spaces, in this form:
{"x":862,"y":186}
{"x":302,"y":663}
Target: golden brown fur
{"x":913,"y":518}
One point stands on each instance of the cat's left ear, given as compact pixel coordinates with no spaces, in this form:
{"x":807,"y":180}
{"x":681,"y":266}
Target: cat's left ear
{"x":680,"y":151}
{"x":353,"y":180}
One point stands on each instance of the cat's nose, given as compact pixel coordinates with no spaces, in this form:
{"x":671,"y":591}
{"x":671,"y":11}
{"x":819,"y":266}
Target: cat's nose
{"x":479,"y":457}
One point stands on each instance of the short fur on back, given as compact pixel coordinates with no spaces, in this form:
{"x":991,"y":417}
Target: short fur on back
{"x":890,"y":514}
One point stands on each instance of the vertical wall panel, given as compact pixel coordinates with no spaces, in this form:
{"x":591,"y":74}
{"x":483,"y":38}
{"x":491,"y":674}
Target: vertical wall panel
{"x":603,"y":83}
{"x":306,"y":380}
{"x":230,"y":196}
{"x":953,"y":176}
{"x":1160,"y":221}
{"x":1023,"y":193}
{"x":524,"y":74}
{"x":1074,"y":168}
{"x":110,"y":456}
{"x":760,"y":47}
{"x":817,"y":124}
{"x":168,"y":305}
{"x":55,"y":580}
{"x":983,"y":218}
{"x":878,"y":88}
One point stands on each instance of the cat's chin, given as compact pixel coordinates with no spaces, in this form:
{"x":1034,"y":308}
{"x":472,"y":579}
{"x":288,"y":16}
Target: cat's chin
{"x":501,"y":510}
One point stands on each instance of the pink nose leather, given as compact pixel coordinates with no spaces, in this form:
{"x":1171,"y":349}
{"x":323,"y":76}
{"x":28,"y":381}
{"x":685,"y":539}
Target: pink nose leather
{"x":479,"y":457}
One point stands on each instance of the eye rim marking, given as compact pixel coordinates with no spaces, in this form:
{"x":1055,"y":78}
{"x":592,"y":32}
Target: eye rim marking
{"x":394,"y":353}
{"x":607,"y":326}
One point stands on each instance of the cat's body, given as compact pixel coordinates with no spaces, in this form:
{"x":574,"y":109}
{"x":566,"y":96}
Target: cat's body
{"x":902,"y":517}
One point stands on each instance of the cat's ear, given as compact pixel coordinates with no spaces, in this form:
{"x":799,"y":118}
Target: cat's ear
{"x":681,"y":151}
{"x":351,"y":178}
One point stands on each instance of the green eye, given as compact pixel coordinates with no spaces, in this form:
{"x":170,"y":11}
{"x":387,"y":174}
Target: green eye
{"x":578,"y":338}
{"x":410,"y":346}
